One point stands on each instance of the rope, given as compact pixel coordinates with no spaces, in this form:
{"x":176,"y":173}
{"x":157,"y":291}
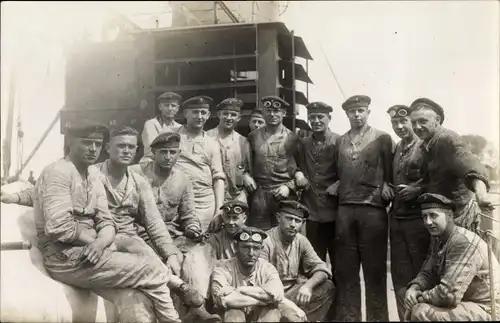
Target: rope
{"x":490,"y":217}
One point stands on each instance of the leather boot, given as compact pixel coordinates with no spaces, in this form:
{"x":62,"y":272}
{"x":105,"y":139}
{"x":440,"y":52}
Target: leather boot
{"x":190,"y":297}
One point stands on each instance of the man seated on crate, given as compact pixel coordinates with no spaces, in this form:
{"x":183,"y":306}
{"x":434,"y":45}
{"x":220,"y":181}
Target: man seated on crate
{"x":173,"y":192}
{"x":305,"y":277}
{"x":247,"y":288}
{"x":454,"y":282}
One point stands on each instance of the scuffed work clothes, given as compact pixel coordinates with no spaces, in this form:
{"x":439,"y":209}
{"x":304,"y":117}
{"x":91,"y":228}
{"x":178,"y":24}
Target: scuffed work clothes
{"x":274,"y":157}
{"x":136,"y":206}
{"x":363,"y":166}
{"x":269,"y":313}
{"x":464,"y":311}
{"x":201,"y":260}
{"x":174,"y":198}
{"x":227,"y":277}
{"x":152,"y":128}
{"x":408,"y":170}
{"x":318,"y":161}
{"x":235,"y":154}
{"x":457,"y":272}
{"x":451,"y":167}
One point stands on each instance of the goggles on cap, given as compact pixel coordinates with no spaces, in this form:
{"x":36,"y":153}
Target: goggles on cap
{"x":275,"y":104}
{"x":255,"y":237}
{"x":235,"y":209}
{"x":400,"y":113}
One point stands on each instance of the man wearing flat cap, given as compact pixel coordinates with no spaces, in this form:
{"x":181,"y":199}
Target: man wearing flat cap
{"x":235,"y":149}
{"x":76,"y":230}
{"x":201,"y":161}
{"x":454,"y":282}
{"x":201,"y":260}
{"x":305,"y":277}
{"x":247,"y":288}
{"x":274,"y":150}
{"x":408,"y":236}
{"x":256,"y":119}
{"x":364,"y":167}
{"x":452,"y":169}
{"x":317,"y":159}
{"x":168,"y":106}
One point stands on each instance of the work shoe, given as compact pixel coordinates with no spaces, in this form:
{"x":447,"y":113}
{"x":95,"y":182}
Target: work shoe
{"x":201,"y":315}
{"x":190,"y":297}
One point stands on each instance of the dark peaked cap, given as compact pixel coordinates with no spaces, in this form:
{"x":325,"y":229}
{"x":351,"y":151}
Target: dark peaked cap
{"x":166,"y":139}
{"x":430,"y":200}
{"x":428,"y":103}
{"x":357,"y":101}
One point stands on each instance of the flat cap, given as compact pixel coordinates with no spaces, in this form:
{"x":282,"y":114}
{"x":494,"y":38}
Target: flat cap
{"x":169,"y":96}
{"x":429,"y":104}
{"x":85,"y":129}
{"x":398,"y":111}
{"x":201,"y":101}
{"x":319,"y":107}
{"x":230,"y":104}
{"x":166,"y":139}
{"x":234,"y":207}
{"x":274,"y":101}
{"x":250,"y":234}
{"x":294,"y":208}
{"x":430,"y":200}
{"x":357,"y":101}
{"x":257,"y":111}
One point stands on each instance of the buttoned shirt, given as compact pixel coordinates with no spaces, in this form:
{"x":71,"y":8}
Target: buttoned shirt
{"x":458,"y":271}
{"x":200,"y":160}
{"x":295,"y":260}
{"x":174,"y":198}
{"x":318,"y":162}
{"x":451,"y":167}
{"x":363,"y":166}
{"x":407,"y":169}
{"x":152,"y":128}
{"x":60,"y":190}
{"x":274,"y":157}
{"x":235,"y":154}
{"x":227,"y":277}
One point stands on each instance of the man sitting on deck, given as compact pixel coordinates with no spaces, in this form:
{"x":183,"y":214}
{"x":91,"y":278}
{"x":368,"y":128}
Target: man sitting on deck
{"x":454,"y":283}
{"x":304,"y":275}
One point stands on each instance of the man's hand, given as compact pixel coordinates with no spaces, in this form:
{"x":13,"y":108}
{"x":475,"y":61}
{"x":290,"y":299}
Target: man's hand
{"x":408,"y":192}
{"x":288,"y":304}
{"x":302,"y":181}
{"x":216,"y":223}
{"x":412,"y":297}
{"x":93,"y":251}
{"x":174,"y":263}
{"x":281,"y":192}
{"x":483,"y":200}
{"x":9,"y":198}
{"x":333,"y":189}
{"x":387,"y":192}
{"x":304,"y":295}
{"x":193,"y":233}
{"x":249,"y":183}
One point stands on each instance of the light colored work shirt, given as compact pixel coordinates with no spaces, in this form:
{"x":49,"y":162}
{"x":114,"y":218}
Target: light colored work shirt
{"x":152,"y":128}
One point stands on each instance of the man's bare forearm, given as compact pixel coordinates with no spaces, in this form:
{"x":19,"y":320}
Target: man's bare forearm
{"x":255,"y":292}
{"x":106,"y":235}
{"x":238,"y":300}
{"x":219,"y":192}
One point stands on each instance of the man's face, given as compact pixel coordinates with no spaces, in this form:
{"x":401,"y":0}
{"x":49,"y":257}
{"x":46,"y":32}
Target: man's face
{"x":402,"y":127}
{"x":196,"y":118}
{"x":86,"y":150}
{"x":435,"y":220}
{"x":233,"y":222}
{"x":256,"y":122}
{"x":273,"y":116}
{"x":289,"y":224}
{"x":228,"y":119}
{"x":122,"y":149}
{"x":425,"y":123}
{"x":166,"y":157}
{"x":319,"y":121}
{"x":168,"y":109}
{"x":358,"y":116}
{"x":248,"y":252}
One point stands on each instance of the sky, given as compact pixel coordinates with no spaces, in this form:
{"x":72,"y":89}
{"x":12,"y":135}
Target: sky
{"x":393,"y":51}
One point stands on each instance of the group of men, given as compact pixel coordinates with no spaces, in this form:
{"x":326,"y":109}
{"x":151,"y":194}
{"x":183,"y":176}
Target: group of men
{"x":216,"y":217}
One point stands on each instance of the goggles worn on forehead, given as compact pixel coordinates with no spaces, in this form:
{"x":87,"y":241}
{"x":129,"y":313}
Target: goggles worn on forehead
{"x":275,"y":104}
{"x":233,"y":209}
{"x":255,"y":237}
{"x":400,"y":113}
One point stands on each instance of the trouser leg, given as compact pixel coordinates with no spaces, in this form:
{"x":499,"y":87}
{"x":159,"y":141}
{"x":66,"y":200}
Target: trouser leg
{"x":133,"y":305}
{"x":264,"y":208}
{"x":205,"y":209}
{"x":197,"y":268}
{"x":348,"y":298}
{"x":234,"y":315}
{"x":465,"y":311}
{"x":320,"y":303}
{"x":373,"y":227}
{"x":269,"y":313}
{"x":119,"y":270}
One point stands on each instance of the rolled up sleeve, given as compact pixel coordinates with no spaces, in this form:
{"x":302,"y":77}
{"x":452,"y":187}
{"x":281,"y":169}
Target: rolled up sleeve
{"x":215,"y":160}
{"x":26,"y":196}
{"x":220,"y":285}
